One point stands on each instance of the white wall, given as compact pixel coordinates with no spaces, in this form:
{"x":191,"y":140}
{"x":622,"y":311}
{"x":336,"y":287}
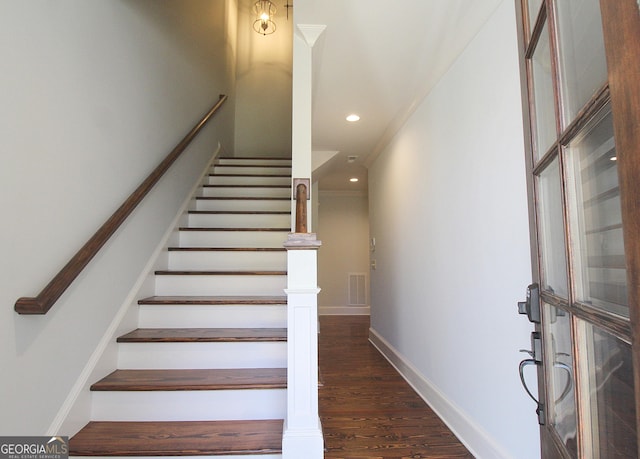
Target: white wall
{"x":343,"y":228}
{"x":95,"y":94}
{"x":448,"y":209}
{"x":263,"y":103}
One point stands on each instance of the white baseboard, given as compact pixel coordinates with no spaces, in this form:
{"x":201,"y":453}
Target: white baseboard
{"x":477,"y":441}
{"x":344,"y":310}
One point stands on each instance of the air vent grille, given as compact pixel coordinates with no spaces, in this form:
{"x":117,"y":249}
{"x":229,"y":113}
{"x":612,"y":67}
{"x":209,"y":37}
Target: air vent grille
{"x":357,"y":289}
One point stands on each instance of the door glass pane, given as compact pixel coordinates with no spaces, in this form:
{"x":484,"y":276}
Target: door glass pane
{"x":583,"y":66}
{"x":533,"y":8}
{"x":545,"y":122}
{"x":608,"y":395}
{"x":552,"y":245}
{"x":560,"y":386}
{"x":596,"y":219}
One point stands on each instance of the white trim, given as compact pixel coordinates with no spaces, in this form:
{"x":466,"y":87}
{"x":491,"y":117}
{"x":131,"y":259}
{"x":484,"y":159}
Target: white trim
{"x":83,"y":382}
{"x":302,"y":291}
{"x":311,"y":32}
{"x":344,"y":310}
{"x":307,"y":443}
{"x":477,"y":441}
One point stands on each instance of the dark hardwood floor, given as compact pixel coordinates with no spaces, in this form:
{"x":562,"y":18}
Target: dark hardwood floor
{"x":367,"y":409}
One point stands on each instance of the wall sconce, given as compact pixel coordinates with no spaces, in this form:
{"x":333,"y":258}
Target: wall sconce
{"x":264,"y":10}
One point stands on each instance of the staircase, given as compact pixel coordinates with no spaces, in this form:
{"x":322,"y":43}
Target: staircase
{"x":205,"y":373}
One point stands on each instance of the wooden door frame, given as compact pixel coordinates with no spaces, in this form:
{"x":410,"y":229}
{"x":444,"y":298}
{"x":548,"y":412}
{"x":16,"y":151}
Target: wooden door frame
{"x":621,"y":28}
{"x":621,"y":32}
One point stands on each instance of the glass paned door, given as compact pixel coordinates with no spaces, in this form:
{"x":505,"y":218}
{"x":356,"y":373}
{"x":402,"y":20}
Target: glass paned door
{"x":534,"y":9}
{"x":583,"y":64}
{"x":551,"y":231}
{"x":542,"y":83}
{"x":609,"y":401}
{"x":581,"y":210}
{"x":561,"y":387}
{"x":596,"y":218}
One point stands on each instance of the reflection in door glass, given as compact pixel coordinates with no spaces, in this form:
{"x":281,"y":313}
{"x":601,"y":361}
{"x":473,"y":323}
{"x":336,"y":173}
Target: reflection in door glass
{"x":552,"y":245}
{"x":560,"y":387}
{"x":608,"y":393}
{"x":533,"y":8}
{"x":583,"y":67}
{"x":596,"y":219}
{"x":545,"y":120}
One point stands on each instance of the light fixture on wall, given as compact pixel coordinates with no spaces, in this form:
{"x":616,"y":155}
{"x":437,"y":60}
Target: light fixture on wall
{"x":264,"y":10}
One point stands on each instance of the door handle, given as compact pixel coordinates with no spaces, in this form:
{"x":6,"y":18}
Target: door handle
{"x":539,"y":406}
{"x":523,"y":364}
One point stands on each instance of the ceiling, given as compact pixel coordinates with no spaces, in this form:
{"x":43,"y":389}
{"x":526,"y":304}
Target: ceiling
{"x":378,"y":58}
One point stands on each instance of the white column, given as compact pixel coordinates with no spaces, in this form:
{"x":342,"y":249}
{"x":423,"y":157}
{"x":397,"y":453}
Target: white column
{"x":302,"y":430}
{"x":304,"y":37}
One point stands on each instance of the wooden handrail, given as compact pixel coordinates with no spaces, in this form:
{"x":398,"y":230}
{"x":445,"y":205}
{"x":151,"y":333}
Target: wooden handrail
{"x":50,"y":294}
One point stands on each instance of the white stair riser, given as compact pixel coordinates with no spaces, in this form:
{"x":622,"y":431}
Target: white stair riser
{"x":212,"y":316}
{"x":209,"y":285}
{"x":233,"y":238}
{"x":204,"y":405}
{"x":253,"y":191}
{"x":244,"y":204}
{"x":243,"y":180}
{"x":240,"y":220}
{"x":185,"y":356}
{"x":243,"y":260}
{"x":252,"y":170}
{"x":256,"y":161}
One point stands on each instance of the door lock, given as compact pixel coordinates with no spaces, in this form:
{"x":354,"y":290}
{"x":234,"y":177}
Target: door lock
{"x":531,"y":306}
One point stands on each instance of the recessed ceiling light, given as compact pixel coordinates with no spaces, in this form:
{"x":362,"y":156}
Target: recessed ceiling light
{"x":353,"y":179}
{"x":613,"y":158}
{"x":353,"y":118}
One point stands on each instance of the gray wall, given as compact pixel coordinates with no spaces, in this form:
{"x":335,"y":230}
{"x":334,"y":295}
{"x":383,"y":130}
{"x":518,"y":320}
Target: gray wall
{"x":343,"y":228}
{"x":264,"y":79}
{"x":95,"y":94}
{"x":448,"y":209}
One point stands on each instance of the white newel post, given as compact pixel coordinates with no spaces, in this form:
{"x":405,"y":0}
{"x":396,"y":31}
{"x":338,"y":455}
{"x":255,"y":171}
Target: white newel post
{"x":302,"y":437}
{"x":302,"y":430}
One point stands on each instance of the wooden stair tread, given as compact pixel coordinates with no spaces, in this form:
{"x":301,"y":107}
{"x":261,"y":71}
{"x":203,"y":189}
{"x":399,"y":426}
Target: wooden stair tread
{"x":240,"y":212}
{"x":205,"y":228}
{"x":267,"y":158}
{"x":196,"y":379}
{"x":251,"y":165}
{"x":182,"y":335}
{"x":246,"y":186}
{"x":220,"y":273}
{"x":214,"y":300}
{"x":250,"y":175}
{"x":226,"y":249}
{"x":243,"y":198}
{"x":192,"y":438}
